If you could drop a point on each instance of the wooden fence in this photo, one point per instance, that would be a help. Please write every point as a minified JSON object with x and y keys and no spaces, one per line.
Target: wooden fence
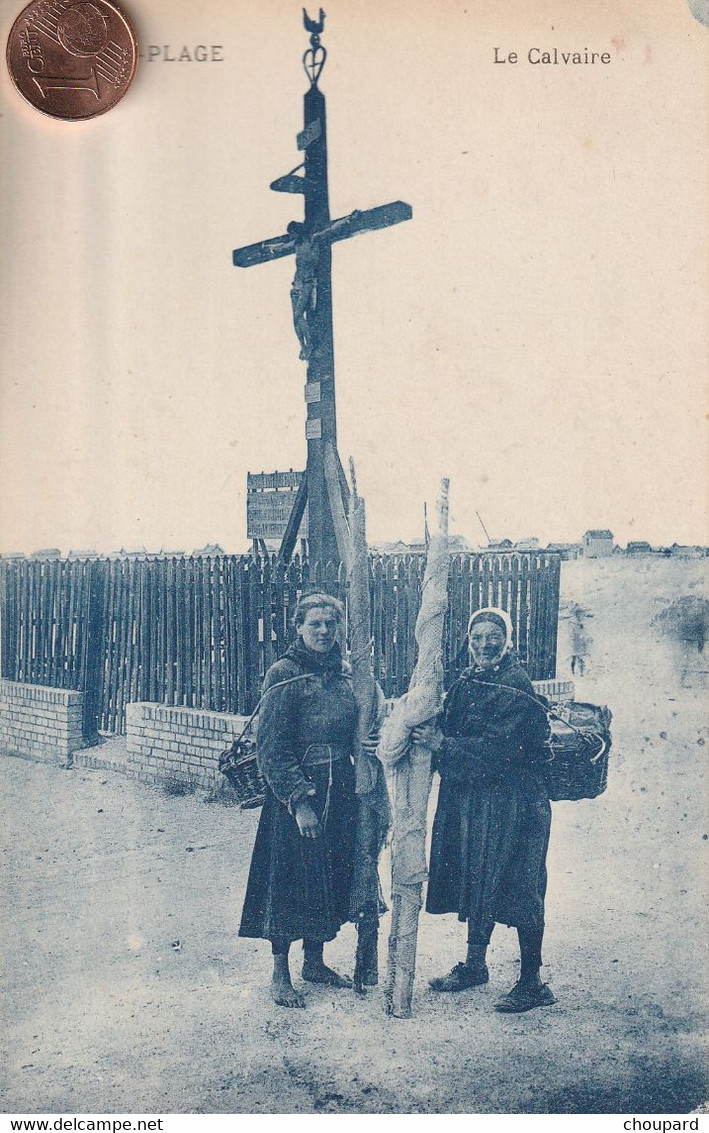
{"x":202,"y":631}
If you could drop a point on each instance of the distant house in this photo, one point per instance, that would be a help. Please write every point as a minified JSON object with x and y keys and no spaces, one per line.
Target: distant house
{"x":530,"y":544}
{"x":135,"y":553}
{"x":693,"y":551}
{"x":457,"y":544}
{"x":500,"y":545}
{"x":565,"y":550}
{"x":597,"y":544}
{"x":210,"y":551}
{"x":399,"y":548}
{"x":638,"y":547}
{"x":73,"y":556}
{"x":46,"y":555}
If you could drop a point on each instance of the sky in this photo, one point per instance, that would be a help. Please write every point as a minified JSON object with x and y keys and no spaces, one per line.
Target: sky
{"x":537,"y":332}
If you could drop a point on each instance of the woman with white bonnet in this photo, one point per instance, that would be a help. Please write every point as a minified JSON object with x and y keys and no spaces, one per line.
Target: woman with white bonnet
{"x":492,"y":824}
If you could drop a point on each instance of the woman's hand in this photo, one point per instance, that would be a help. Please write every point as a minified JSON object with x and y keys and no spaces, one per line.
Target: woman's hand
{"x":308,"y":823}
{"x":427,"y":735}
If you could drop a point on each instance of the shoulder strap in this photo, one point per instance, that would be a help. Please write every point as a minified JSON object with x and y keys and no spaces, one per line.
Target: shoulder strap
{"x":550,"y":713}
{"x":279,"y":684}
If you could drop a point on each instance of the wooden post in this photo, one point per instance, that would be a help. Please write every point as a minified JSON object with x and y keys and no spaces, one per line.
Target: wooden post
{"x":94,"y":652}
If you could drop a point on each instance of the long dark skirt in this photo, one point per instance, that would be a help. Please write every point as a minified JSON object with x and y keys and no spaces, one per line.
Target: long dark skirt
{"x":488,"y":852}
{"x":299,"y":888}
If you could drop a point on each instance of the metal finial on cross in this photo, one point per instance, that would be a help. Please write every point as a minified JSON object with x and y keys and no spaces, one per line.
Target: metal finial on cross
{"x":310,"y":242}
{"x":314,"y":58}
{"x":315,"y":26}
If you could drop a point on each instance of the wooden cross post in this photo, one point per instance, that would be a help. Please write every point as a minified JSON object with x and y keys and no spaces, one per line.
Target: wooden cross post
{"x":311,"y":297}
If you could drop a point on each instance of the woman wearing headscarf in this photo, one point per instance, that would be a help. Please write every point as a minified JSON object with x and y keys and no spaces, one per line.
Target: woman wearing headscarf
{"x":302,"y":864}
{"x":492,"y":823}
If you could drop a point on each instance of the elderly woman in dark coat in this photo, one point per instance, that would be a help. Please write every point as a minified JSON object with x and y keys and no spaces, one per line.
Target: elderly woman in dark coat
{"x":492,"y":824}
{"x":301,"y":869}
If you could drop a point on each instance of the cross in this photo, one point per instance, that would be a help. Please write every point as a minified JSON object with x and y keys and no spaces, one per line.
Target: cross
{"x":310,"y":242}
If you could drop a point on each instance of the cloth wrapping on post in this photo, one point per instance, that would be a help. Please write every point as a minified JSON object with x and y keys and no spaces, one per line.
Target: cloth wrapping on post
{"x":410,"y":769}
{"x":425,"y":693}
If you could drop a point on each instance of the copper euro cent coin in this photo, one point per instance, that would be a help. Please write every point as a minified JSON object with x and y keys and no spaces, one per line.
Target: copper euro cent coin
{"x":72,"y":59}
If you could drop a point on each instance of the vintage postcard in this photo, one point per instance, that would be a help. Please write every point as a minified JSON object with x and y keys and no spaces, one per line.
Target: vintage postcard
{"x":453,"y":241}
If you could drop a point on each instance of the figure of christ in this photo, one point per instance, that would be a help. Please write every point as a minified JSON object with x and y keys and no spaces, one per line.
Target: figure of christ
{"x":304,"y":289}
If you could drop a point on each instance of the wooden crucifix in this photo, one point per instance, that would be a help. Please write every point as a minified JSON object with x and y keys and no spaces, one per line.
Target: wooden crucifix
{"x":310,"y":242}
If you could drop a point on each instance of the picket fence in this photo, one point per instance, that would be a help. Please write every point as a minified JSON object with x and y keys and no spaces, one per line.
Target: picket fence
{"x":201,"y":631}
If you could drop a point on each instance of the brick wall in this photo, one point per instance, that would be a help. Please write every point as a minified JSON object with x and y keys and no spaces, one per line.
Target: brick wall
{"x":40,"y":723}
{"x":178,"y":745}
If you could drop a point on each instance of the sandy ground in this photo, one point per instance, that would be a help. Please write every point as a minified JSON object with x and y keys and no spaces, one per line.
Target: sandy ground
{"x":126,"y":988}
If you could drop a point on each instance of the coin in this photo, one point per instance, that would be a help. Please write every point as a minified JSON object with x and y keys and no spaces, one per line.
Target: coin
{"x":72,"y":59}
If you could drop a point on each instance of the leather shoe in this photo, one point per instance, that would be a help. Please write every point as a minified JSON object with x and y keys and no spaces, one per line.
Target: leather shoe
{"x":525,"y":997}
{"x":460,"y":978}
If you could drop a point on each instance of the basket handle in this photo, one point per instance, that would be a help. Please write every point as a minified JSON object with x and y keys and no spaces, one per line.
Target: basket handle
{"x":602,"y":750}
{"x":550,"y":713}
{"x":586,"y":738}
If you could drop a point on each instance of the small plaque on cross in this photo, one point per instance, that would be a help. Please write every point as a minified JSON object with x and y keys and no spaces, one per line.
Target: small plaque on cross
{"x":312,"y":392}
{"x":310,"y":134}
{"x":313,"y":429}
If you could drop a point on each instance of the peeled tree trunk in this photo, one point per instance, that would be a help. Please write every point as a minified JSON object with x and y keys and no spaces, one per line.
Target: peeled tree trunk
{"x":373,"y":802}
{"x":409,"y":765}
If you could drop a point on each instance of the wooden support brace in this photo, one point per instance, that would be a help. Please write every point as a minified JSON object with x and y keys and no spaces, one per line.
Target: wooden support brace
{"x":294,"y":520}
{"x":334,"y":492}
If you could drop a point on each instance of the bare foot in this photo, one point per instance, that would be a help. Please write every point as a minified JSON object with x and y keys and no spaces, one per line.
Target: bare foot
{"x":284,"y":994}
{"x":321,"y":974}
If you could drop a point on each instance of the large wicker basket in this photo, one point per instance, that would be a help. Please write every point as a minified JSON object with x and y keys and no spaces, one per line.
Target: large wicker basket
{"x":238,"y":764}
{"x":579,"y":747}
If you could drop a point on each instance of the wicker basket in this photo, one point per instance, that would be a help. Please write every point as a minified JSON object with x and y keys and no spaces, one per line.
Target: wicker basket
{"x":579,"y":747}
{"x":238,"y":764}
